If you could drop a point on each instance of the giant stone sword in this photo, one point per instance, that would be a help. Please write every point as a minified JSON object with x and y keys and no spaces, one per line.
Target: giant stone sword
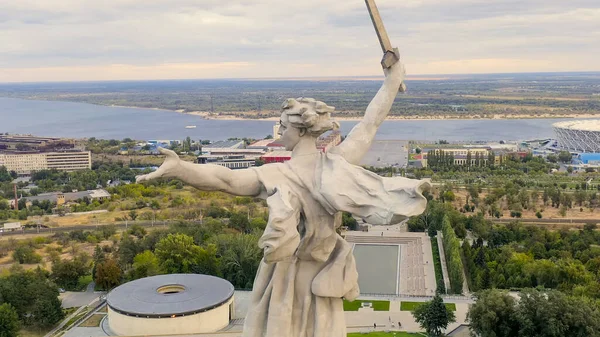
{"x":391,"y":55}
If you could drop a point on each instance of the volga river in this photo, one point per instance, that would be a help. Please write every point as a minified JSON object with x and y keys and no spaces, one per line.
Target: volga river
{"x":78,"y":120}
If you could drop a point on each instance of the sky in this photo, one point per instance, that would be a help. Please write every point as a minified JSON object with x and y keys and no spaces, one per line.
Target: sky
{"x":89,"y":40}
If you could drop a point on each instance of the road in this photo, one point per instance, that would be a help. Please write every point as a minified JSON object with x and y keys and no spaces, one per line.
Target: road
{"x":547,"y":221}
{"x":73,"y":299}
{"x":85,"y":227}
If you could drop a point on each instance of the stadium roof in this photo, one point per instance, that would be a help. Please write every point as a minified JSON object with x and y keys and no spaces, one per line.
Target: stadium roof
{"x":583,"y":125}
{"x":186,"y":294}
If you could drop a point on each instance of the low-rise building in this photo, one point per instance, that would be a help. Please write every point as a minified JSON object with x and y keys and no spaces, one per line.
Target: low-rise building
{"x":472,"y":156}
{"x":267,"y":145}
{"x":231,"y":162}
{"x":276,"y":157}
{"x":62,"y":198}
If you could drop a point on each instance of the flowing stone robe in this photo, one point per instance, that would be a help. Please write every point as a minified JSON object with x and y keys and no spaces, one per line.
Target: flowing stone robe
{"x":307,"y":267}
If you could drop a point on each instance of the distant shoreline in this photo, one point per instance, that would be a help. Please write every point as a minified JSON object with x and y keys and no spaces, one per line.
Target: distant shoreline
{"x":209,"y":116}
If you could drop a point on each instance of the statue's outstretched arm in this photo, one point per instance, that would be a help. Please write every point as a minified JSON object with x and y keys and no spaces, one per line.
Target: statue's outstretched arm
{"x":206,"y":177}
{"x":359,"y":140}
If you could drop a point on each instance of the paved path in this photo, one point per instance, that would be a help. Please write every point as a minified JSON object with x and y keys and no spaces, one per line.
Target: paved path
{"x":73,"y":299}
{"x":67,"y":319}
{"x":443,"y":260}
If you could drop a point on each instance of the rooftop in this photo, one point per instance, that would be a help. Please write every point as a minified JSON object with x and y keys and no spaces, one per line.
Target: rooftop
{"x":278,"y":154}
{"x":582,"y":125}
{"x":71,"y":196}
{"x":167,"y":295}
{"x":227,"y":144}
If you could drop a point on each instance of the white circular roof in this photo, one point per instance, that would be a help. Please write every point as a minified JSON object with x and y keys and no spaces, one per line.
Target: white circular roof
{"x":583,"y":125}
{"x":168,"y":295}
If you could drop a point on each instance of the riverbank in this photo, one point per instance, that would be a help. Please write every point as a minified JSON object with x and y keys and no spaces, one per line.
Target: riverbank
{"x":82,"y":120}
{"x":251,"y":115}
{"x":209,"y":116}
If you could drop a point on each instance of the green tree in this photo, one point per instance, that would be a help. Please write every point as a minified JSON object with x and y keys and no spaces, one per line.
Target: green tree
{"x":493,"y":314}
{"x":67,"y":273}
{"x":240,"y":257}
{"x":349,"y":221}
{"x":207,"y":261}
{"x":33,"y":297}
{"x":258,"y":224}
{"x":133,"y":214}
{"x":26,"y":255}
{"x":552,"y":158}
{"x":565,"y":157}
{"x":145,"y":264}
{"x":433,"y":316}
{"x":177,"y":253}
{"x":552,"y":313}
{"x":108,"y":274}
{"x":128,"y":249}
{"x":453,"y":259}
{"x":9,"y":321}
{"x":4,"y":175}
{"x":239,"y":221}
{"x":137,"y":231}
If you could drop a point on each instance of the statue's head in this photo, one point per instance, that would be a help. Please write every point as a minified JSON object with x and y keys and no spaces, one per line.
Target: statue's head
{"x":304,"y":117}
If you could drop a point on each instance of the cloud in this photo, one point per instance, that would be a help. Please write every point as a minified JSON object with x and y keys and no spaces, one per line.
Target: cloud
{"x":84,"y":39}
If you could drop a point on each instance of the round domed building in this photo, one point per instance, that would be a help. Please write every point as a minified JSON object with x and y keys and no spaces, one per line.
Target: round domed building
{"x":170,"y":305}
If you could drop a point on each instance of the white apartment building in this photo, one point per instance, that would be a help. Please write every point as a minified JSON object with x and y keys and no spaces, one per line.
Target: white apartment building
{"x":25,"y":163}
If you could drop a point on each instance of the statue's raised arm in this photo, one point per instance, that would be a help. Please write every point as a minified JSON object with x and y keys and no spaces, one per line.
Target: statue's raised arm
{"x":359,"y":140}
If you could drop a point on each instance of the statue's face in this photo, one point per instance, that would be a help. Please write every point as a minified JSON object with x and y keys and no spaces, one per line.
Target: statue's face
{"x":290,"y":135}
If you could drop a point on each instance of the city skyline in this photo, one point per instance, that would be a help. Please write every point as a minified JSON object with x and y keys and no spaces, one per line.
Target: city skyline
{"x":71,"y":40}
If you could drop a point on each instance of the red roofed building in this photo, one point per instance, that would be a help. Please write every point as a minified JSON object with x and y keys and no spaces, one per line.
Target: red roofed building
{"x":277,"y":157}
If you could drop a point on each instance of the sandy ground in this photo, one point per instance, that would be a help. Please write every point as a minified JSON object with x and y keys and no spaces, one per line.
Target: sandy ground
{"x":226,"y":116}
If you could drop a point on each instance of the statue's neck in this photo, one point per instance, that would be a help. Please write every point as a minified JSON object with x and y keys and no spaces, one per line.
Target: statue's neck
{"x":306,"y":146}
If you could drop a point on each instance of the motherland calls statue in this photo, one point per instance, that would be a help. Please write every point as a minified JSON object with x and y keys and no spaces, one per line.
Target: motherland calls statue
{"x":307,"y":268}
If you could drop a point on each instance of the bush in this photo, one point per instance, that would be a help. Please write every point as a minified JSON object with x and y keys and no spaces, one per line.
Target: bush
{"x":538,"y":214}
{"x":26,"y":255}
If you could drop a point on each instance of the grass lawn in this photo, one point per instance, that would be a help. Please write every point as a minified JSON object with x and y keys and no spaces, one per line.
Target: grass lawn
{"x":92,"y":321}
{"x":384,"y":334}
{"x":377,"y":305}
{"x":32,"y":332}
{"x":411,"y":306}
{"x":437,"y":263}
{"x":83,"y":282}
{"x":103,"y":309}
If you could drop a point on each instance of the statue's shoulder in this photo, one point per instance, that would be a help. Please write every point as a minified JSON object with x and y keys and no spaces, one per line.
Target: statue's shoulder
{"x":271,"y":174}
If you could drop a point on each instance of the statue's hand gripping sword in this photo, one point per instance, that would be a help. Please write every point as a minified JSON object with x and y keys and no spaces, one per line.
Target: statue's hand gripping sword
{"x":391,"y":55}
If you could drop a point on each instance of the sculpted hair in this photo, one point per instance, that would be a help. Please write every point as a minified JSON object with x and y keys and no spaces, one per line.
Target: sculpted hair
{"x":309,"y":114}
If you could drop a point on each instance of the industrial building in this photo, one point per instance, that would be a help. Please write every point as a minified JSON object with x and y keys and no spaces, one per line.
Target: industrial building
{"x":175,"y":304}
{"x":62,"y":198}
{"x":25,"y":154}
{"x":29,"y":143}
